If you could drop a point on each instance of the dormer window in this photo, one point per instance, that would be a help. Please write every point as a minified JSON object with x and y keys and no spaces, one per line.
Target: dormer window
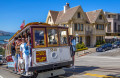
{"x":108,"y":16}
{"x":100,"y":17}
{"x":78,"y":15}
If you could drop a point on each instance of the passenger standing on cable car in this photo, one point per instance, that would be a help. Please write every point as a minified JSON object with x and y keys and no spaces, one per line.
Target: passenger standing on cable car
{"x":29,"y":49}
{"x":24,"y":51}
{"x":18,"y":43}
{"x":13,"y":56}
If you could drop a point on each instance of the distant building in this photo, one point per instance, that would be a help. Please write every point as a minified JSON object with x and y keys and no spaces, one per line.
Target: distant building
{"x":113,"y":27}
{"x":87,"y":27}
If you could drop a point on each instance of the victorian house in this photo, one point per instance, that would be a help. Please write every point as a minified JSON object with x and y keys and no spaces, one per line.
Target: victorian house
{"x":87,"y":27}
{"x":113,"y":27}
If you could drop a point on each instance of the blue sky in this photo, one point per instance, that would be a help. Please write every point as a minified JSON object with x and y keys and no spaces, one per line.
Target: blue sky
{"x":13,"y":12}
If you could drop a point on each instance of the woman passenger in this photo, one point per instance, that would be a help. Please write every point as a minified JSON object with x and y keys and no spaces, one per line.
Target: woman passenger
{"x":13,"y":56}
{"x":18,"y":43}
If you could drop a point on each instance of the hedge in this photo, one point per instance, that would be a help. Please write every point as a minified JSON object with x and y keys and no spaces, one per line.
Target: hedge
{"x":86,"y":48}
{"x":98,"y":45}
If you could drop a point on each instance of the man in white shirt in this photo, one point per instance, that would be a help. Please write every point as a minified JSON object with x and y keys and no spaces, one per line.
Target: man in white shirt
{"x":24,"y":56}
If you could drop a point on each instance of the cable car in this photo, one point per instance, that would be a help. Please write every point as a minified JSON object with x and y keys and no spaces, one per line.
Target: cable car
{"x":50,"y":48}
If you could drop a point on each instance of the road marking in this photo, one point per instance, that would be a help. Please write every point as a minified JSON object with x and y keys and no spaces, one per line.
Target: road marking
{"x":1,"y":76}
{"x":97,"y":75}
{"x":104,"y":57}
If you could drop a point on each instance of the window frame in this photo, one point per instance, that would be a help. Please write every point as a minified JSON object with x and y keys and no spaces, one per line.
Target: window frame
{"x":78,"y":15}
{"x":55,"y":45}
{"x":75,"y":26}
{"x":67,"y":37}
{"x":100,"y":17}
{"x":78,"y":26}
{"x":100,"y":26}
{"x":81,"y":39}
{"x":81,"y":27}
{"x":34,"y":38}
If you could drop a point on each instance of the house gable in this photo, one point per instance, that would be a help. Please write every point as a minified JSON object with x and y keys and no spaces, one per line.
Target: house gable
{"x":82,"y":17}
{"x":52,"y":16}
{"x":101,"y":18}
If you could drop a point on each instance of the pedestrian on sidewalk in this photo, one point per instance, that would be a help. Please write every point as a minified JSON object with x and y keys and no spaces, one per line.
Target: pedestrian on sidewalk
{"x":73,"y":45}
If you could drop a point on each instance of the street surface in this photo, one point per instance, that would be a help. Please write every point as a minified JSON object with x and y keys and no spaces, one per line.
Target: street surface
{"x":95,"y":65}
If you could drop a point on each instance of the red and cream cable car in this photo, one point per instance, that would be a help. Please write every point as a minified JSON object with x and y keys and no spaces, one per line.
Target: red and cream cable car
{"x":49,"y":45}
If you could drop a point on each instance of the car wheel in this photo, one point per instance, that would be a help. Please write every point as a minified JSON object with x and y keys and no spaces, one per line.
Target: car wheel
{"x":118,"y":46}
{"x":103,"y":50}
{"x":97,"y":50}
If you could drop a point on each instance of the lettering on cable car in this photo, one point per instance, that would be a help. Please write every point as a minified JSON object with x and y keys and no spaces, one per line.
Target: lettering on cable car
{"x":41,"y":56}
{"x":53,"y":49}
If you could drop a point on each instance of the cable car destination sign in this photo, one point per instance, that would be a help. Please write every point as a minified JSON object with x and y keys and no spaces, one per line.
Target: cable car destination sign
{"x":40,"y":56}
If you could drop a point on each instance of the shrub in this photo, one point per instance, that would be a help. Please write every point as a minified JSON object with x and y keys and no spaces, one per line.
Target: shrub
{"x":98,"y":45}
{"x":100,"y":42}
{"x":81,"y":47}
{"x":78,"y":46}
{"x":2,"y":51}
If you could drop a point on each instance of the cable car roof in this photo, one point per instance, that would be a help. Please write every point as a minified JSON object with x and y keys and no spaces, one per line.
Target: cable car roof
{"x":31,"y":24}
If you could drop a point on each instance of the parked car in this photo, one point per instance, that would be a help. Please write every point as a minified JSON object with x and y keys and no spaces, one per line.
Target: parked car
{"x":116,"y":44}
{"x":104,"y":47}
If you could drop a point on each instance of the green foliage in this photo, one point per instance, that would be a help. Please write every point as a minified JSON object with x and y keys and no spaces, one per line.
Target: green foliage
{"x":82,"y":49}
{"x":2,"y":51}
{"x":100,"y":42}
{"x":80,"y":46}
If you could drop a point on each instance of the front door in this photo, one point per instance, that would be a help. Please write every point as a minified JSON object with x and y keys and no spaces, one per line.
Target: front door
{"x":88,"y":41}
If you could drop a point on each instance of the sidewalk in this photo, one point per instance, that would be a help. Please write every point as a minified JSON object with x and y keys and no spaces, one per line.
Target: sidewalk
{"x":85,"y":52}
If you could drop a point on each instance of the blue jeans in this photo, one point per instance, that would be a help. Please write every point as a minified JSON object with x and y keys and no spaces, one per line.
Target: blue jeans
{"x":74,"y":47}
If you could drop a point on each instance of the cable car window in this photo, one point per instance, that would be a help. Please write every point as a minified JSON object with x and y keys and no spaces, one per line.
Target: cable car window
{"x":63,"y":37}
{"x":39,"y":38}
{"x":52,"y":36}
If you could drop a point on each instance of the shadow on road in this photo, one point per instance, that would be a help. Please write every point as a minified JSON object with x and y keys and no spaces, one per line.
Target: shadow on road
{"x":74,"y":71}
{"x":112,"y":76}
{"x":78,"y":70}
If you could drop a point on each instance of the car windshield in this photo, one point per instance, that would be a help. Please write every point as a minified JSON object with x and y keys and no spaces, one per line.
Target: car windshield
{"x":102,"y":45}
{"x":116,"y":42}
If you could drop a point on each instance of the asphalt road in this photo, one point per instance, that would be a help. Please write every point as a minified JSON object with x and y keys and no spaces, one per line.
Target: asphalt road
{"x":95,"y":65}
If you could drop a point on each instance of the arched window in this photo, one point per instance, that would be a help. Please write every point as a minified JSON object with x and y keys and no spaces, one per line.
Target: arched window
{"x":78,"y":15}
{"x":50,"y":19}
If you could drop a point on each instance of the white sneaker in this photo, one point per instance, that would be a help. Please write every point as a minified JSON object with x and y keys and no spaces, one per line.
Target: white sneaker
{"x":27,"y":73}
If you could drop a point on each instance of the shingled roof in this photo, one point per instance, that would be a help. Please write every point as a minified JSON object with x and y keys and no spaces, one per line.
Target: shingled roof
{"x":92,"y":15}
{"x":64,"y":17}
{"x":54,"y":15}
{"x":60,"y":16}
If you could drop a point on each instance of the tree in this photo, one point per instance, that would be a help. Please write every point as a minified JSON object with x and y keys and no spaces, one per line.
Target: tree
{"x":2,"y":51}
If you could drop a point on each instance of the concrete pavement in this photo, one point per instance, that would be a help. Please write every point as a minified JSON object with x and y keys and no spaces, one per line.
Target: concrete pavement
{"x":95,"y":65}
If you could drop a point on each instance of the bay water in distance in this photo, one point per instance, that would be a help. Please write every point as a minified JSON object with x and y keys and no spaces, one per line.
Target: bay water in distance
{"x":2,"y":38}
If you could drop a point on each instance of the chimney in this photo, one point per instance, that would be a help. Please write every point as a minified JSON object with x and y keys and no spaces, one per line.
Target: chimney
{"x":66,"y":7}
